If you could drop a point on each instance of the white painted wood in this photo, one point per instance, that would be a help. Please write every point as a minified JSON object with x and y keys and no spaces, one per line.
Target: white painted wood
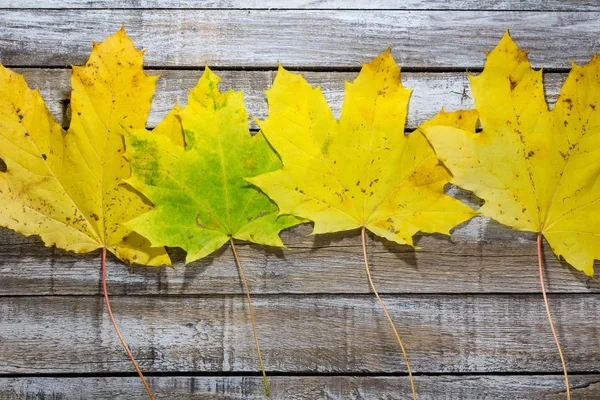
{"x":492,"y":387}
{"x":537,"y":5}
{"x":298,"y":38}
{"x":481,"y":257}
{"x":312,"y":334}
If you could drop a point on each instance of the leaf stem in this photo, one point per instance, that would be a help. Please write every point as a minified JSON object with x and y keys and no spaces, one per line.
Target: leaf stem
{"x":243,"y":278}
{"x":112,"y":319}
{"x":410,"y":376}
{"x":562,"y":358}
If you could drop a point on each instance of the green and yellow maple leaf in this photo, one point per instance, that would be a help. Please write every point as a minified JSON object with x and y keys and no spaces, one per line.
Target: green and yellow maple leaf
{"x":537,"y":169}
{"x":67,"y":185}
{"x":360,"y":171}
{"x":201,"y":201}
{"x":200,"y":198}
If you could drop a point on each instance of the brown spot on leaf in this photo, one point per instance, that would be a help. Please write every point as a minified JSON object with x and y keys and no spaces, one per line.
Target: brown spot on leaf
{"x":44,"y":157}
{"x":513,"y":83}
{"x":198,"y":223}
{"x":569,"y":103}
{"x":521,"y":138}
{"x":94,"y":216}
{"x":261,"y":214}
{"x":2,"y":165}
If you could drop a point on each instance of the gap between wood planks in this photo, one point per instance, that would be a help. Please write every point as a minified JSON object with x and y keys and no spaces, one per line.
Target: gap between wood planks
{"x":258,"y":374}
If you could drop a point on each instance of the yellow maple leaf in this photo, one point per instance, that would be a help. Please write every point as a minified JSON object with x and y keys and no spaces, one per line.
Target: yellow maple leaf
{"x":537,"y":169}
{"x":360,"y":171}
{"x":67,"y":186}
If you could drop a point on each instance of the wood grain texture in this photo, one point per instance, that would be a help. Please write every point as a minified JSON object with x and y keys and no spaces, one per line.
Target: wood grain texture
{"x":468,"y":306}
{"x":430,"y":91}
{"x":300,"y":334}
{"x":440,"y":387}
{"x":481,"y":257}
{"x":322,"y":39}
{"x":532,"y":5}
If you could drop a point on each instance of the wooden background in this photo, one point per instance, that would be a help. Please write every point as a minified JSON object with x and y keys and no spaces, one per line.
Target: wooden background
{"x":468,"y":307}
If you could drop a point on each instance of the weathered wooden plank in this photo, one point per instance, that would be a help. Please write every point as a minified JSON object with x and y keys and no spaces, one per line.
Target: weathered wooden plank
{"x":431,"y":91}
{"x":535,"y":5}
{"x":315,"y":38}
{"x":481,"y":257}
{"x":494,"y":387}
{"x":314,"y":334}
